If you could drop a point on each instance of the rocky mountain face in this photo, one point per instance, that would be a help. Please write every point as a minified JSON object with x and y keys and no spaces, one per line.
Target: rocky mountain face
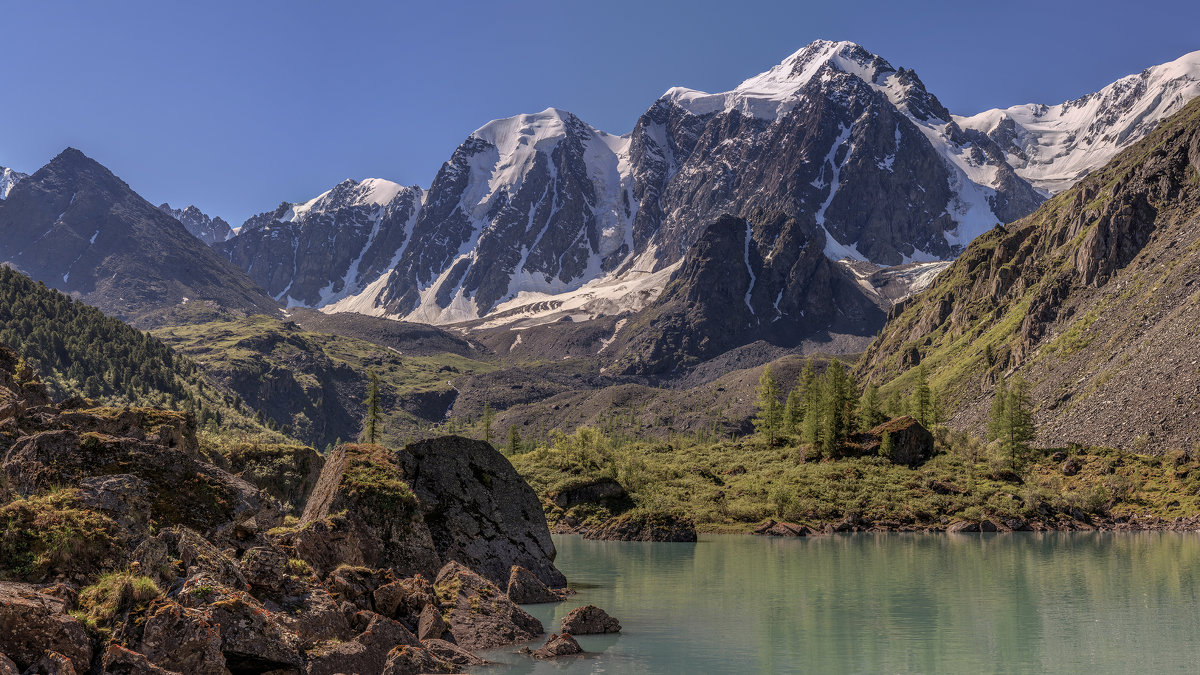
{"x":78,"y":228}
{"x":177,"y":565}
{"x":319,"y":252}
{"x":206,"y":229}
{"x":547,"y":206}
{"x":9,"y":178}
{"x":1054,"y":146}
{"x":1094,"y":299}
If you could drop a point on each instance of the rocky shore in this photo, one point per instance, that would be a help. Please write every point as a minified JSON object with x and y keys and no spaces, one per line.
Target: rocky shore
{"x":126,"y":548}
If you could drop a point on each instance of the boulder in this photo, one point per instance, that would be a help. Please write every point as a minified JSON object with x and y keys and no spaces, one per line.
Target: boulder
{"x":605,"y":491}
{"x":405,"y":599}
{"x":182,"y":639}
{"x":589,"y":620}
{"x":7,"y":667}
{"x":558,"y":645}
{"x":324,"y":544}
{"x":452,"y":653}
{"x":380,"y":508}
{"x":54,"y":663}
{"x":32,"y":623}
{"x":479,"y":615}
{"x":405,"y":660}
{"x":524,"y":588}
{"x":645,"y":526}
{"x":912,"y":444}
{"x":431,"y":625}
{"x":479,"y":510}
{"x":772,"y":528}
{"x":118,"y":660}
{"x":368,"y":652}
{"x":962,"y":526}
{"x":251,"y":636}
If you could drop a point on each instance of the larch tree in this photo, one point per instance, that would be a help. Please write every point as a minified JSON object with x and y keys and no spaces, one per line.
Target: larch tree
{"x":373,"y":424}
{"x":769,"y":420}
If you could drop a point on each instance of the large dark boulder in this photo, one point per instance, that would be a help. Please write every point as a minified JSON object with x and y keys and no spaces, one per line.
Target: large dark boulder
{"x":479,"y":511}
{"x":912,"y":444}
{"x":644,"y":526}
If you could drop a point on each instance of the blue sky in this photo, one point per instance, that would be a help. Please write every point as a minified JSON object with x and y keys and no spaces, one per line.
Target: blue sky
{"x":237,"y":106}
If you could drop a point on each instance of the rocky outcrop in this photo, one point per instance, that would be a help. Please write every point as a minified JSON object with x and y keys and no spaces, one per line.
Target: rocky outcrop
{"x":479,"y":511}
{"x":912,"y":444}
{"x":478,"y":613}
{"x":557,"y":645}
{"x":644,"y":526}
{"x":207,"y":229}
{"x":284,"y":471}
{"x":771,"y":528}
{"x":605,"y":491}
{"x":589,"y":620}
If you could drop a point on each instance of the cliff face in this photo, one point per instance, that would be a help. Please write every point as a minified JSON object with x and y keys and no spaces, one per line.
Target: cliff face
{"x":1095,"y":299}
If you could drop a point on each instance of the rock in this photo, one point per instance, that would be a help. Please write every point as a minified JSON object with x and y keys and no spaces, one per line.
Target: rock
{"x":7,"y":667}
{"x":251,"y":636}
{"x":32,"y":623}
{"x":54,"y":663}
{"x":326,"y":543}
{"x":558,"y":645}
{"x":182,"y":639}
{"x":286,"y":472}
{"x":479,"y":615}
{"x":431,"y":625}
{"x":589,"y":620}
{"x":852,"y":522}
{"x":524,"y":588}
{"x":368,"y":652}
{"x":606,"y":491}
{"x":912,"y":444}
{"x":405,"y":660}
{"x":645,"y":526}
{"x":314,"y":617}
{"x":357,"y":585}
{"x":987,"y":526}
{"x":404,"y":599}
{"x":1071,"y":467}
{"x":381,"y":509}
{"x":962,"y":526}
{"x":772,"y":528}
{"x":452,"y":653}
{"x":118,"y":660}
{"x":479,"y":510}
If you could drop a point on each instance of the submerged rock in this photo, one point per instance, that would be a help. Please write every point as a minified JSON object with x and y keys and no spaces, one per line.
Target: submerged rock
{"x":526,"y":589}
{"x":772,"y":528}
{"x":589,"y":620}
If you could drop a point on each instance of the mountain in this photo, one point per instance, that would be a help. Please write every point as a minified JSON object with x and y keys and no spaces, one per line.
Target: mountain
{"x":1054,"y":146}
{"x":8,"y":178}
{"x":206,"y":229}
{"x":1094,"y":299}
{"x":78,"y":228}
{"x":318,"y":252}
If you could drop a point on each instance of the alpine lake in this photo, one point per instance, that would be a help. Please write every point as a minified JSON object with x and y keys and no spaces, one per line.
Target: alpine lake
{"x":1070,"y":602}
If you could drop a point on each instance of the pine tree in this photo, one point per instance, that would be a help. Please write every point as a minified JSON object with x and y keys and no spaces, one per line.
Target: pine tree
{"x":833,"y":410}
{"x":486,"y":420}
{"x":869,"y":415}
{"x":995,"y":427}
{"x":373,"y":425}
{"x":895,"y":405}
{"x":1018,"y":427}
{"x":793,"y":411}
{"x":770,"y":411}
{"x":513,"y":445}
{"x":921,"y":404}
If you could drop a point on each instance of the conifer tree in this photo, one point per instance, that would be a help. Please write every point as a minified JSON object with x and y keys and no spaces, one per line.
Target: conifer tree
{"x":793,"y":411}
{"x":921,"y":404}
{"x":770,"y":411}
{"x":995,"y":427}
{"x":1017,"y":429}
{"x":885,"y":445}
{"x":373,"y":424}
{"x":869,"y":414}
{"x":833,"y":409}
{"x":486,"y":420}
{"x":513,"y":445}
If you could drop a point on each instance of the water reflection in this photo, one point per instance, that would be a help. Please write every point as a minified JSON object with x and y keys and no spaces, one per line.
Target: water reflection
{"x":874,"y":603}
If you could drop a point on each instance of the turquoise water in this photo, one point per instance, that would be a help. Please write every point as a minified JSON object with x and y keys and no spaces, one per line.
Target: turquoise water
{"x":884,"y":603}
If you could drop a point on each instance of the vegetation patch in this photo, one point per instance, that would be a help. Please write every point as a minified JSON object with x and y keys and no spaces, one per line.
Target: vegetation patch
{"x":371,"y":480}
{"x":116,"y":595}
{"x":53,"y":534}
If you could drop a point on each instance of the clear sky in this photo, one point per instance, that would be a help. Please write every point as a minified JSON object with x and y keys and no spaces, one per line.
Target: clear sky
{"x":237,"y":106}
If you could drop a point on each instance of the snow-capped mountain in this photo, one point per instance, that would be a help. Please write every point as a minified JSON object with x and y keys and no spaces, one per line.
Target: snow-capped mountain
{"x":539,"y":216}
{"x":206,"y":229}
{"x":320,"y":251}
{"x":838,"y":137}
{"x":1054,"y":146}
{"x":8,"y":178}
